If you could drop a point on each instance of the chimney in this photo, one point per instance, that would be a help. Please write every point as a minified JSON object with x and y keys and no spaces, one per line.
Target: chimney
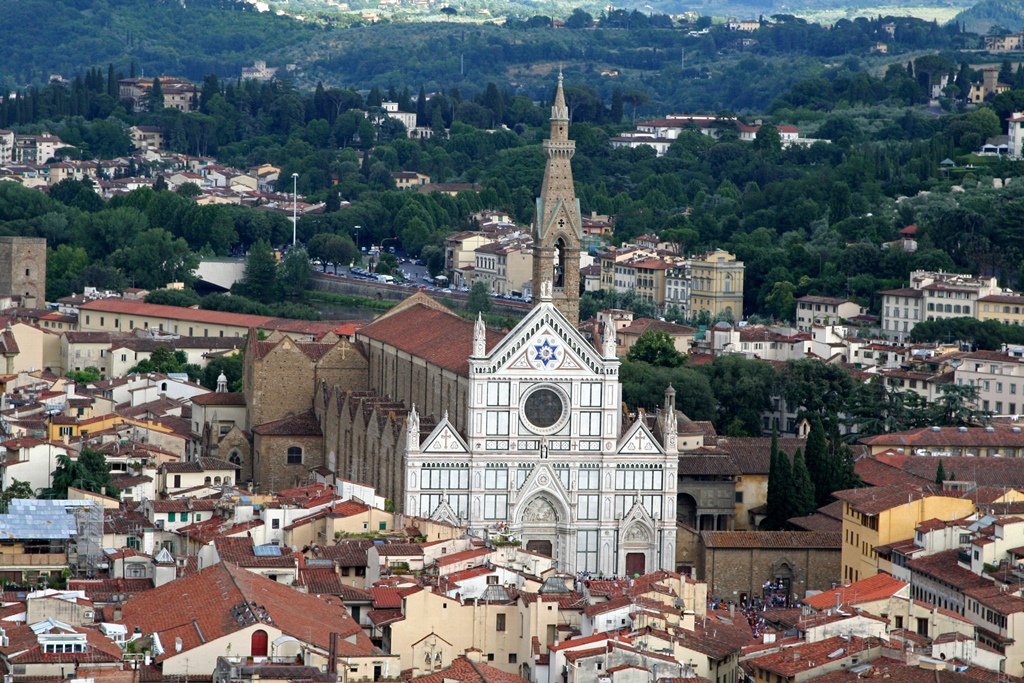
{"x":474,"y":655}
{"x":732,"y":611}
{"x":118,"y":612}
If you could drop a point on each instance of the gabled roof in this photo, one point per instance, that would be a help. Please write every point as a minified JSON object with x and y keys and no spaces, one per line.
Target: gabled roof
{"x":866,"y":590}
{"x":208,"y":605}
{"x":304,"y":424}
{"x":431,"y":332}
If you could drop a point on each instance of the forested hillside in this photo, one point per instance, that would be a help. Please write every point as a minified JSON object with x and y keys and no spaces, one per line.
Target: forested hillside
{"x":987,"y":14}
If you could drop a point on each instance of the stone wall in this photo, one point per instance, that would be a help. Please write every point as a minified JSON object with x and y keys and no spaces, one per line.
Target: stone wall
{"x":23,"y":267}
{"x":274,"y":472}
{"x":733,"y":572}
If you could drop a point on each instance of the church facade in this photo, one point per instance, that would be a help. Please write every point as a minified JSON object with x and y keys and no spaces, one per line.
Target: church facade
{"x":522,"y":437}
{"x":545,"y":460}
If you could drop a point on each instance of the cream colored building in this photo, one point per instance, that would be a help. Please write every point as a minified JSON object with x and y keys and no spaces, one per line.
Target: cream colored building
{"x":881,"y":515}
{"x":505,"y":267}
{"x":38,"y":349}
{"x":717,"y":285}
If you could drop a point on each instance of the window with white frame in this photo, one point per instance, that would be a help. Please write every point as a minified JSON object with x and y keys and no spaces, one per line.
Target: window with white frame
{"x":495,"y":506}
{"x":496,"y":479}
{"x":590,"y":423}
{"x":588,"y":479}
{"x":522,"y":474}
{"x":586,"y":551}
{"x":588,"y":506}
{"x":497,"y":423}
{"x":444,"y":478}
{"x":628,"y":479}
{"x":498,"y":393}
{"x":590,"y":395}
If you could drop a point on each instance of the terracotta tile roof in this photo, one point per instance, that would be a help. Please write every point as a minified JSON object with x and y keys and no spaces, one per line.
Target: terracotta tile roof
{"x":386,"y":598}
{"x":566,"y":601}
{"x":438,"y":336}
{"x":122,"y":522}
{"x":222,"y":398}
{"x":800,"y":658}
{"x":817,"y":522}
{"x":24,"y":648}
{"x":876,"y":499}
{"x":175,"y":313}
{"x":197,"y":466}
{"x":866,"y":590}
{"x":608,"y":606}
{"x":873,"y":472}
{"x":198,"y":609}
{"x":320,"y":580}
{"x":641,"y":325}
{"x":752,"y":455}
{"x":399,"y":549}
{"x":707,"y":462}
{"x":999,"y":472}
{"x":945,"y":568}
{"x":380,"y":617}
{"x":304,"y":424}
{"x":944,"y":437}
{"x":104,"y":590}
{"x":241,"y":551}
{"x":463,"y":556}
{"x":717,"y":638}
{"x":771,"y":539}
{"x":351,"y":553}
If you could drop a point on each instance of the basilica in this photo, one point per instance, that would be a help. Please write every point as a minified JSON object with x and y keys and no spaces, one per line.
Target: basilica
{"x":521,"y":437}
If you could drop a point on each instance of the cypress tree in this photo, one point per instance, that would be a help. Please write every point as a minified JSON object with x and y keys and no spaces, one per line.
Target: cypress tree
{"x":801,"y":498}
{"x":819,"y":463}
{"x":779,"y":475}
{"x":940,"y":473}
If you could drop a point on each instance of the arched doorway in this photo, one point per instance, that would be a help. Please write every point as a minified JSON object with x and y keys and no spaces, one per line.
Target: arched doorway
{"x":539,"y":521}
{"x":686,"y":510}
{"x":258,"y":643}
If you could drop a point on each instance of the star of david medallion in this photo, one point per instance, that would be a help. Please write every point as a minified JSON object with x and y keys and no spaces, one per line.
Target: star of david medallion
{"x":546,"y":353}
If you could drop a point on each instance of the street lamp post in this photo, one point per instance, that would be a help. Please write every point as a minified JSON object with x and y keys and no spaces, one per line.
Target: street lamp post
{"x":295,"y":206}
{"x":357,"y":229}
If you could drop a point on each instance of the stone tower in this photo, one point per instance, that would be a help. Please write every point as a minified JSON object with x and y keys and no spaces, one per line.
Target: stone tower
{"x":556,"y":227}
{"x":23,"y":267}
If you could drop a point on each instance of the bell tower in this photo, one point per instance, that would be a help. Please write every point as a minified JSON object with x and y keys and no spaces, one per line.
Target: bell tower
{"x":556,"y":227}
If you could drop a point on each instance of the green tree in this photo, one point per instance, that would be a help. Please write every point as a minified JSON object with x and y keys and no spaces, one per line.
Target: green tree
{"x":940,"y":473}
{"x":90,"y":374}
{"x":17,"y":489}
{"x":801,"y":497}
{"x":183,"y":298}
{"x":780,"y":474}
{"x":156,"y":258}
{"x":155,"y":97}
{"x":656,"y":348}
{"x":230,"y":366}
{"x":89,"y":472}
{"x":294,"y":271}
{"x":260,"y":281}
{"x":768,"y":142}
{"x":955,"y":406}
{"x":819,"y":462}
{"x":163,"y":359}
{"x":479,"y":300}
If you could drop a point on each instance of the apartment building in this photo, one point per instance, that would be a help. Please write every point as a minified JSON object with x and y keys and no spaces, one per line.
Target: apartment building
{"x":1005,"y":308}
{"x":933,"y":296}
{"x":505,"y":266}
{"x":716,"y":285}
{"x":824,"y":310}
{"x":998,"y":376}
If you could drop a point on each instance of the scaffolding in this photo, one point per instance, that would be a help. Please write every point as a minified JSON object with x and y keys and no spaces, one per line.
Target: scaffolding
{"x":74,"y":525}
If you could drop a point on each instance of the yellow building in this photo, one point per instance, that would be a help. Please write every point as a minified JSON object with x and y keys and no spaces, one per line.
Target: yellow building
{"x":1007,"y":309}
{"x":345,"y":518}
{"x":882,"y":515}
{"x":717,"y":285}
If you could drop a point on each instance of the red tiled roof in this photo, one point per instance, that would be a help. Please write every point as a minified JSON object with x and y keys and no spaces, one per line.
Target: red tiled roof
{"x":305,"y":424}
{"x":198,"y":609}
{"x":175,"y":313}
{"x":463,"y":556}
{"x":438,"y":336}
{"x":771,"y":539}
{"x":222,"y":398}
{"x":866,"y":590}
{"x":800,"y":658}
